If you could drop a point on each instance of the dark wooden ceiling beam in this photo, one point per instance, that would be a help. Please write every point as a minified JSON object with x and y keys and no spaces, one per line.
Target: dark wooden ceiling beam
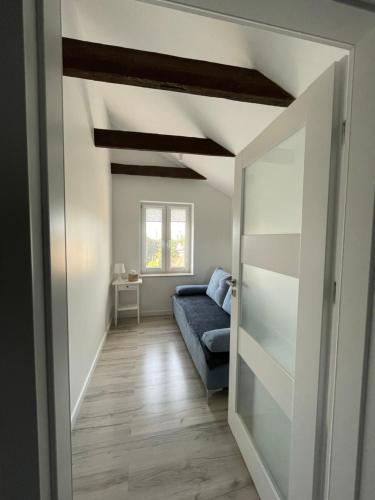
{"x":156,"y":171}
{"x":108,"y":63}
{"x":120,"y":139}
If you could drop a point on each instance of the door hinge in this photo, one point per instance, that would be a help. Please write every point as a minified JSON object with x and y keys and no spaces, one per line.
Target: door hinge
{"x":334,"y":290}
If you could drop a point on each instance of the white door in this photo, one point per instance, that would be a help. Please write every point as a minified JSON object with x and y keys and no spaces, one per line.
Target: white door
{"x":282,"y":213}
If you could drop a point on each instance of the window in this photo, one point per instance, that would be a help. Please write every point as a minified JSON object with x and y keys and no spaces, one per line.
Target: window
{"x":166,"y":238}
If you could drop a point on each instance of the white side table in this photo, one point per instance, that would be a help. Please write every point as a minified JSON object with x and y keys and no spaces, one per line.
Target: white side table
{"x":126,"y":286}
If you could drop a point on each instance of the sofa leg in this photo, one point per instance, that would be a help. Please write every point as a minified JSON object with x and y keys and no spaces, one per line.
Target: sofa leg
{"x":172,"y":311}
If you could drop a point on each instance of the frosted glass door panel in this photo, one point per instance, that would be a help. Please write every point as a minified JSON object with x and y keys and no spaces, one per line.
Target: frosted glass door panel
{"x":269,"y":303}
{"x":267,"y":424}
{"x":274,"y":189}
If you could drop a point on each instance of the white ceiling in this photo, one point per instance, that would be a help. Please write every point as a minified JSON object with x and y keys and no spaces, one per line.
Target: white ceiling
{"x":290,"y":62}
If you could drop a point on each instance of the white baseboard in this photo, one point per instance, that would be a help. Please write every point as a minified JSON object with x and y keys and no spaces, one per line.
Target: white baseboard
{"x":166,"y":312}
{"x":152,"y":312}
{"x":77,"y":406}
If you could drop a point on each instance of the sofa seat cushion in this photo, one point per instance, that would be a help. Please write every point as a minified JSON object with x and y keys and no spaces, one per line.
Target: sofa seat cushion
{"x":203,"y":314}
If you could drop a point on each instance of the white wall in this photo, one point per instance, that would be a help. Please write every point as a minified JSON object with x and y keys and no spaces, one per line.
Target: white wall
{"x":212,"y":230}
{"x":88,"y":223}
{"x":88,"y":235}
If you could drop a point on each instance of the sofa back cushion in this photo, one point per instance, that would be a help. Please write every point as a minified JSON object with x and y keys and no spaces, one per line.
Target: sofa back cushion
{"x":217,"y":287}
{"x":191,"y":289}
{"x":227,"y":304}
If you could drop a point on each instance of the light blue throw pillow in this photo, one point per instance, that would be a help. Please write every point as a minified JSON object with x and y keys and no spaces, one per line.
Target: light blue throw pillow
{"x":217,"y":287}
{"x":227,"y":304}
{"x":217,"y":340}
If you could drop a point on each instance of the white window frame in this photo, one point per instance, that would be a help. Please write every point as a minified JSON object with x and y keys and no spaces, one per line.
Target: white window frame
{"x":165,"y":269}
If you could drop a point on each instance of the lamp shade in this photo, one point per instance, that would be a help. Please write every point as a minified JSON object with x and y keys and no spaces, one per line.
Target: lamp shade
{"x":119,"y":268}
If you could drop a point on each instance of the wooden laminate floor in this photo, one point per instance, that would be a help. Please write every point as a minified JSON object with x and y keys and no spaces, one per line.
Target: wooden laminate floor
{"x":145,"y":431}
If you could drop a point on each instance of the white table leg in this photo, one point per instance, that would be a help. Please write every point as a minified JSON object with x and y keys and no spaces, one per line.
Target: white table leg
{"x":138,"y":304}
{"x":116,"y":304}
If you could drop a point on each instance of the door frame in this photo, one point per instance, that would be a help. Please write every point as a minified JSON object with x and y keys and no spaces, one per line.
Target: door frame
{"x":35,"y":357}
{"x":354,"y":249}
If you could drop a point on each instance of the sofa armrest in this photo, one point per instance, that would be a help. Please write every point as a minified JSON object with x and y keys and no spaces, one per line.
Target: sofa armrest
{"x":217,"y":340}
{"x":191,"y":289}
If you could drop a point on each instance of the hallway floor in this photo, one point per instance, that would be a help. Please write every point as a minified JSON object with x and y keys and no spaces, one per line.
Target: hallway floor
{"x":145,"y":431}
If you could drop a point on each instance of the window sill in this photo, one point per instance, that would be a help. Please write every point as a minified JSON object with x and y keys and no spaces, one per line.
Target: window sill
{"x":165,"y":275}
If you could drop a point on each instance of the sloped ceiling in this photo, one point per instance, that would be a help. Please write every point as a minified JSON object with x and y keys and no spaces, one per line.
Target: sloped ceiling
{"x":291,"y":63}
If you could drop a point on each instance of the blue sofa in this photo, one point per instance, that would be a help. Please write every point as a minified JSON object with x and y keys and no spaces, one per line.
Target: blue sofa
{"x":202,"y":313}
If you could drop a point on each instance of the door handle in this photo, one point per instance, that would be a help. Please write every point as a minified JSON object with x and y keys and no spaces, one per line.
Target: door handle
{"x":232,"y":282}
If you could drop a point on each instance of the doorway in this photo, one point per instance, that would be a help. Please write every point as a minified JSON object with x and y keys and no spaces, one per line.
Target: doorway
{"x":197,"y":117}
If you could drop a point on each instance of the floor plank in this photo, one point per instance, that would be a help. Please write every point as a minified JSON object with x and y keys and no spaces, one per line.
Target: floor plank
{"x":145,"y":431}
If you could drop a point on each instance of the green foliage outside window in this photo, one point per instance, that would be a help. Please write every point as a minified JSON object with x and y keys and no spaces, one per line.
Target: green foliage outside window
{"x":178,"y":253}
{"x":153,"y":257}
{"x":154,"y":253}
